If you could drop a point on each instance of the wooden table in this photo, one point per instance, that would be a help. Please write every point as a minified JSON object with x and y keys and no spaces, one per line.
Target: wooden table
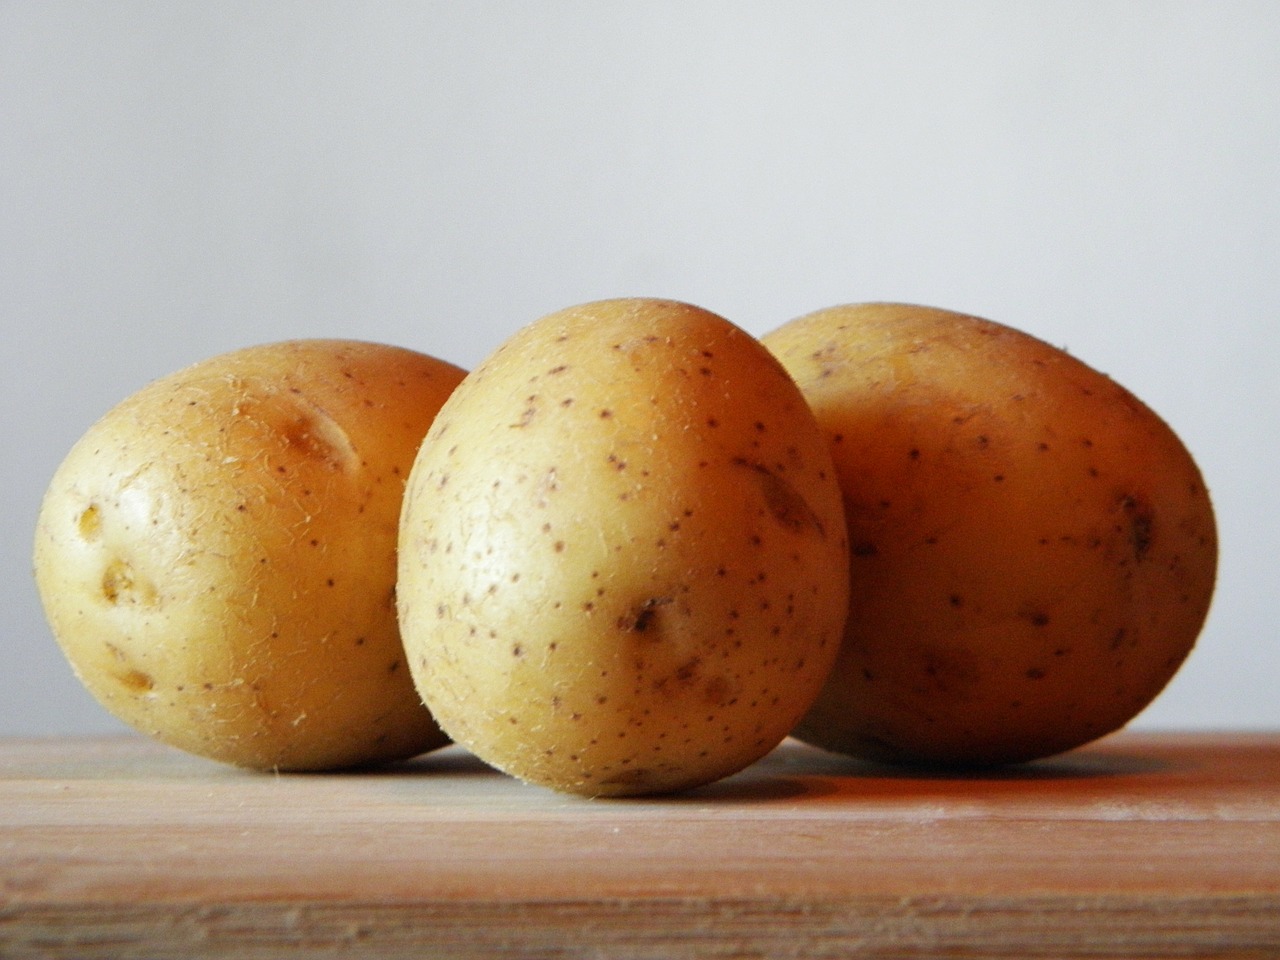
{"x":1143,"y":845}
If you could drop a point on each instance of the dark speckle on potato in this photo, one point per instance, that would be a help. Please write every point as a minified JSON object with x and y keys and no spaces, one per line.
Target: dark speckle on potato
{"x":1065,"y":523}
{"x":691,"y":481}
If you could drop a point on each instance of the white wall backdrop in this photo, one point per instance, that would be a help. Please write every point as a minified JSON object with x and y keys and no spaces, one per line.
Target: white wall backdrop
{"x":178,"y":179}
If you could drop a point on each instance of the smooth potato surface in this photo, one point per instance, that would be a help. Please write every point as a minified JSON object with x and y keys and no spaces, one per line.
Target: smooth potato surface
{"x":622,"y":565}
{"x":1033,"y":549}
{"x":216,"y":556}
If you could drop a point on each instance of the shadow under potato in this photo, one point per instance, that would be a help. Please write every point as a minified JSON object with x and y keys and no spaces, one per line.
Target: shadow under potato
{"x":794,"y":770}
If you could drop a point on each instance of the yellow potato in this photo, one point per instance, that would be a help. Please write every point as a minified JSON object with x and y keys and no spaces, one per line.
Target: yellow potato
{"x":1033,"y":550}
{"x":622,"y":558}
{"x":216,"y":556}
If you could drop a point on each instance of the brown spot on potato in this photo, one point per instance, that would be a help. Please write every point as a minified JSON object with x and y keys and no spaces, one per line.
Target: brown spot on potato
{"x":89,"y":523}
{"x":718,"y":691}
{"x":306,"y":436}
{"x":687,"y":672}
{"x":783,"y":501}
{"x":643,"y":618}
{"x":1141,"y":519}
{"x":121,"y":585}
{"x":136,"y":681}
{"x":1036,"y":617}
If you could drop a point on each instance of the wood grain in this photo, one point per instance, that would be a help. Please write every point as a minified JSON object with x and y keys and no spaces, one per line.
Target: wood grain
{"x":1143,"y":845}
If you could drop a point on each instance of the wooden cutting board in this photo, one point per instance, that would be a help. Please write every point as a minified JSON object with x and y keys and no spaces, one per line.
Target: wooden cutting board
{"x":1143,"y":845}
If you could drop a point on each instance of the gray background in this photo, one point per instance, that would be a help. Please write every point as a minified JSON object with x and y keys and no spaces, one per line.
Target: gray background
{"x":179,"y":179}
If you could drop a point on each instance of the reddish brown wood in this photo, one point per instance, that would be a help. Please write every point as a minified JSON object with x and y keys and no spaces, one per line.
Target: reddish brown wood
{"x":1143,"y":845}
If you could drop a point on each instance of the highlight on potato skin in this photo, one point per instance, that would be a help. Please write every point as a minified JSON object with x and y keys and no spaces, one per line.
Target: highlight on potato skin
{"x":1033,"y":550}
{"x":622,"y":560}
{"x":216,"y":555}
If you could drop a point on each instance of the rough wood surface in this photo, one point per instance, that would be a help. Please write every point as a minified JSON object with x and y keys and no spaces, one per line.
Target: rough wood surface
{"x":1143,"y":845}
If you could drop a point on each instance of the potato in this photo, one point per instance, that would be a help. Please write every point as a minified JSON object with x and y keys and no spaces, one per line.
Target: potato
{"x":622,"y":557}
{"x":1033,"y":550}
{"x":216,"y":556}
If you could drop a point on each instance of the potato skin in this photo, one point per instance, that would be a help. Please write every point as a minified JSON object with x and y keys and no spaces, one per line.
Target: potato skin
{"x":622,"y":561}
{"x":216,"y":555}
{"x":1033,"y":549}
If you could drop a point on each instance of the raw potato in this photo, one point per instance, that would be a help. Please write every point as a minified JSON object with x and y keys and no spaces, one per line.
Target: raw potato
{"x":622,"y":561}
{"x":216,"y":556}
{"x":1034,"y":550}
